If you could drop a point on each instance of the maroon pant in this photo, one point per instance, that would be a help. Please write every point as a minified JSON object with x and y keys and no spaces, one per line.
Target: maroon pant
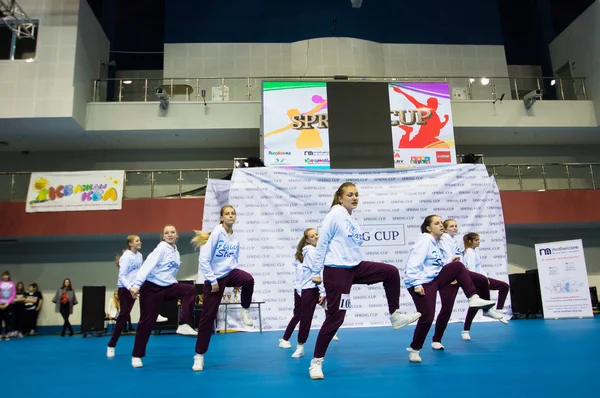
{"x":339,"y":281}
{"x":151,"y":298}
{"x":211,"y":302}
{"x":126,"y":302}
{"x":426,"y":303}
{"x":295,"y":319}
{"x":304,"y":309}
{"x":448,"y":296}
{"x":493,"y":284}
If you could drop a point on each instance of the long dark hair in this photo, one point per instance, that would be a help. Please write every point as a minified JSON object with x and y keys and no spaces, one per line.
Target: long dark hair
{"x":427,"y":222}
{"x":70,"y":287}
{"x":303,"y":242}
{"x":22,"y":289}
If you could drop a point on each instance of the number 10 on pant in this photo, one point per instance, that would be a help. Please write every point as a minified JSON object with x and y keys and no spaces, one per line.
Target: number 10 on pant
{"x":345,"y":303}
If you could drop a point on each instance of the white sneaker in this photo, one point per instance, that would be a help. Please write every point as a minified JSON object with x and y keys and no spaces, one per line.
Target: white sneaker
{"x":186,"y":330}
{"x":136,"y":362}
{"x":465,"y":335}
{"x":198,"y":363}
{"x":336,"y":338}
{"x":495,"y":315}
{"x":316,"y":369}
{"x":437,"y":346}
{"x":413,"y":355}
{"x":110,"y":352}
{"x":161,"y":318}
{"x":284,"y":344}
{"x":245,"y":316}
{"x":477,"y":302}
{"x":299,"y":351}
{"x":400,"y":320}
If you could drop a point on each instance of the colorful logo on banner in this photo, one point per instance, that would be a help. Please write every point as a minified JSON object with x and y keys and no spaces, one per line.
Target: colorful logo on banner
{"x":296,"y":125}
{"x":274,"y":206}
{"x":96,"y":190}
{"x":421,"y":120}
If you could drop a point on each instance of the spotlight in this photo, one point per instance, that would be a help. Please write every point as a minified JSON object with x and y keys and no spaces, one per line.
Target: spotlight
{"x":485,"y":81}
{"x":470,"y":158}
{"x":163,"y":97}
{"x":240,"y":163}
{"x":531,"y":97}
{"x":553,"y":82}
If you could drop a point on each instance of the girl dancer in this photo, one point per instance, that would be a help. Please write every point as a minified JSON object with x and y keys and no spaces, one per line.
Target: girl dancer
{"x":449,"y":243}
{"x":473,"y":263}
{"x":33,"y":305}
{"x":7,"y":295}
{"x":306,"y":293}
{"x":65,"y":299}
{"x":426,"y":273}
{"x":129,"y":262}
{"x":218,"y":263}
{"x":156,"y":282}
{"x":18,"y":310}
{"x":338,"y":251}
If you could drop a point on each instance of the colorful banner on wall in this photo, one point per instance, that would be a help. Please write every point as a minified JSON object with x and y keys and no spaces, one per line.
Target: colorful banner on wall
{"x":295,"y":125}
{"x":563,"y":279}
{"x":274,"y":206}
{"x":422,"y":130}
{"x":75,"y":191}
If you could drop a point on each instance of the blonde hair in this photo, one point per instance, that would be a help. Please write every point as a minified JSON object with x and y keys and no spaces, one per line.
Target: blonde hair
{"x":340,"y":192}
{"x":201,"y":236}
{"x":130,"y":239}
{"x":200,"y":239}
{"x":116,"y":301}
{"x":303,"y":242}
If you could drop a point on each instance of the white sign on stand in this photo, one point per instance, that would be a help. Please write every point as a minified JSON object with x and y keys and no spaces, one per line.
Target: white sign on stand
{"x":563,"y":280}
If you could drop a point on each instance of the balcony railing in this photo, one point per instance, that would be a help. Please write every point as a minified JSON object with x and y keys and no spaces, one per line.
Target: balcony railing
{"x":191,"y":183}
{"x":219,"y":89}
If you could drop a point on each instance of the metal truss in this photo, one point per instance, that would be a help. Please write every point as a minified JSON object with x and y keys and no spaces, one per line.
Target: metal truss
{"x":15,"y":18}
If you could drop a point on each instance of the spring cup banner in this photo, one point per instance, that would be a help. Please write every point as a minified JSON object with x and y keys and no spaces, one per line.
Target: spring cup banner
{"x":563,"y":280}
{"x":75,"y":191}
{"x":422,"y":131}
{"x":295,"y":125}
{"x":274,"y":206}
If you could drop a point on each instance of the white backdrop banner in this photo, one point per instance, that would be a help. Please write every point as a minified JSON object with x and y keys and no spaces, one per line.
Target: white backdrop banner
{"x":275,"y":206}
{"x":563,"y":279}
{"x":75,"y":191}
{"x":217,"y":196}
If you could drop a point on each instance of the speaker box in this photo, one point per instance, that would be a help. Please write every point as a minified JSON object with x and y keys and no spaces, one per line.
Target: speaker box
{"x":92,"y":310}
{"x":524,"y":297}
{"x":594,"y":297}
{"x":535,"y":274}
